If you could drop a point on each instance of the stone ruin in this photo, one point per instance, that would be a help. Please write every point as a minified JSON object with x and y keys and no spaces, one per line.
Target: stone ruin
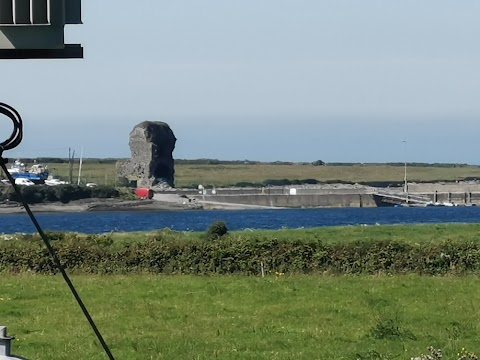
{"x":151,"y":144}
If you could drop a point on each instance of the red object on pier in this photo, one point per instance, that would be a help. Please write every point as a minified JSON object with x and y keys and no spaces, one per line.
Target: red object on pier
{"x":144,"y":193}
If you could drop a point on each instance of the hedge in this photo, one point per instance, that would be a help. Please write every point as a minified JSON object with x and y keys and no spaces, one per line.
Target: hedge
{"x":63,"y":193}
{"x":169,"y":254}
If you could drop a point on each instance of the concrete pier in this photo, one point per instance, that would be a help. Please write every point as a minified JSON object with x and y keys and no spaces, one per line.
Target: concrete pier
{"x":336,"y":195}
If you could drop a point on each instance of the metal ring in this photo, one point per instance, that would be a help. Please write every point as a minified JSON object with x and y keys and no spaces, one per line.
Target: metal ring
{"x":17,"y":134}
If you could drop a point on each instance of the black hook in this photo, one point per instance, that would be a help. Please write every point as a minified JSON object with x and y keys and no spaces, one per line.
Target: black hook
{"x":15,"y":139}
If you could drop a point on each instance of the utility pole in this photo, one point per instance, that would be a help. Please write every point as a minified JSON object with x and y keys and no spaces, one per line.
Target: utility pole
{"x":80,"y":166}
{"x":71,"y":157}
{"x":405,"y":189}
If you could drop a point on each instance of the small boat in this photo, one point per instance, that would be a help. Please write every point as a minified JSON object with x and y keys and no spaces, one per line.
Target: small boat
{"x":444,"y":203}
{"x":37,"y":173}
{"x":54,"y":182}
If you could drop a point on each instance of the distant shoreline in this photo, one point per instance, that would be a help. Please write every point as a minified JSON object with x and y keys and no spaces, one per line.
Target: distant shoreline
{"x":307,"y":196}
{"x":92,"y":205}
{"x":101,"y":205}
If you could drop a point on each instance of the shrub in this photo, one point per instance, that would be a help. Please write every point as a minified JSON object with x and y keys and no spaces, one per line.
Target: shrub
{"x":217,"y":230}
{"x":104,"y":192}
{"x":172,"y":252}
{"x":247,"y":184}
{"x":286,"y":182}
{"x":277,"y":182}
{"x":123,"y":182}
{"x":63,"y":193}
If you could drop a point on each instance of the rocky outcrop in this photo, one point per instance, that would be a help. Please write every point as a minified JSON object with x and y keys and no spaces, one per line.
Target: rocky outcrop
{"x":151,"y":144}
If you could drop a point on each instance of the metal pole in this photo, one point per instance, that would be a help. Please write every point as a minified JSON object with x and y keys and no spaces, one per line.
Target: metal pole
{"x":405,"y":176}
{"x":80,"y":167}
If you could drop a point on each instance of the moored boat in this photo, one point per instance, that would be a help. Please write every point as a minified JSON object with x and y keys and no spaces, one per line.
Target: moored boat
{"x":37,"y":173}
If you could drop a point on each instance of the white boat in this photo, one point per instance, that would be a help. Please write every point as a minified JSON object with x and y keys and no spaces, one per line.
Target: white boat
{"x":24,"y":182}
{"x":54,"y":182}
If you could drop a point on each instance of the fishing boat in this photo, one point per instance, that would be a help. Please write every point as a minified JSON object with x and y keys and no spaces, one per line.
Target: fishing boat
{"x":37,"y":173}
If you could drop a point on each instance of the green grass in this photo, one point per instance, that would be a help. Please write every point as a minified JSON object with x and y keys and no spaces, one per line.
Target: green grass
{"x":102,"y":174}
{"x":180,"y":317}
{"x":411,"y":234}
{"x":223,"y":175}
{"x":238,"y":317}
{"x":230,"y":174}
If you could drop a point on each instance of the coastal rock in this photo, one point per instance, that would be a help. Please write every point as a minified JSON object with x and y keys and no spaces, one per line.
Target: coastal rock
{"x":151,"y":165}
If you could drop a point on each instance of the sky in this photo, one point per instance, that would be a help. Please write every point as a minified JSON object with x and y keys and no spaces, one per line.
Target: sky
{"x":268,"y":80}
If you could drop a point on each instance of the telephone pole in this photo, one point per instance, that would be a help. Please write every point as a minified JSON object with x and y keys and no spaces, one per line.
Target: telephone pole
{"x":71,"y":157}
{"x":405,"y":189}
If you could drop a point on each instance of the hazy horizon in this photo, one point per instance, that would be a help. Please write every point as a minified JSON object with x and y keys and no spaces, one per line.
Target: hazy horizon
{"x":275,"y":80}
{"x":393,"y":163}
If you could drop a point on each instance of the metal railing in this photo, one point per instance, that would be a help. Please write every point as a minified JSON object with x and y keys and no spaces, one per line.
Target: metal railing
{"x":25,"y":12}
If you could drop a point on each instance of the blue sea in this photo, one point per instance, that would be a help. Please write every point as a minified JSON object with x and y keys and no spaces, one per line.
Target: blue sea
{"x":101,"y":222}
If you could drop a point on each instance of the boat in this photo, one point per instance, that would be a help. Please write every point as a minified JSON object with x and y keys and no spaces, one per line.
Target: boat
{"x":54,"y":182}
{"x":37,"y":173}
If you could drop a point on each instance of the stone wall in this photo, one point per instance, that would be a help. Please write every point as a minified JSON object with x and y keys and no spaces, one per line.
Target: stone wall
{"x":295,"y":201}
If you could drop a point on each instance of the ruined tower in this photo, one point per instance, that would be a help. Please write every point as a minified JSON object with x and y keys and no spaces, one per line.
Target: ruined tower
{"x":151,"y":145}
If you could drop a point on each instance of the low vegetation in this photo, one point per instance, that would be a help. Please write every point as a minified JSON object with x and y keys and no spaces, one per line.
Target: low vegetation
{"x":62,"y":193}
{"x":388,"y":250}
{"x":210,"y":172}
{"x":273,"y":174}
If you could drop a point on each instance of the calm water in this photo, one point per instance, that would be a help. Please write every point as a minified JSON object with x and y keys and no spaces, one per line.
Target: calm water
{"x":99,"y":222}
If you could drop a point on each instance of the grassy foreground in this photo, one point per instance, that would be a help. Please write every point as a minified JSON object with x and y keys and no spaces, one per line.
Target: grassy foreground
{"x":276,"y":317}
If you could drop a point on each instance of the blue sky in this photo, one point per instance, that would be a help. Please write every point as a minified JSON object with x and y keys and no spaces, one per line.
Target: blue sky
{"x":302,"y":80}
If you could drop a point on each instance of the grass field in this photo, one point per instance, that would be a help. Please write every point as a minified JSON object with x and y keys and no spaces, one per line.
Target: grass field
{"x":223,"y":175}
{"x":179,"y":317}
{"x":410,"y":234}
{"x":237,"y":317}
{"x":230,"y":174}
